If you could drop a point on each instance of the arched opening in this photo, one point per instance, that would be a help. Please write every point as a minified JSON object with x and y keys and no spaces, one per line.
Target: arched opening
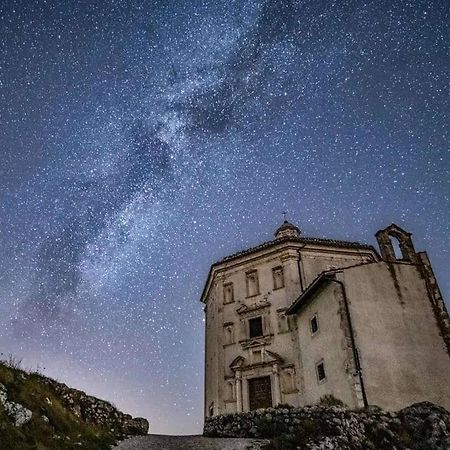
{"x":396,"y":244}
{"x":396,"y":247}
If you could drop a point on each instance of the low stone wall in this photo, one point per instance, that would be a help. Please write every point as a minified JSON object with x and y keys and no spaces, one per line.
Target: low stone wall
{"x":419,"y":426}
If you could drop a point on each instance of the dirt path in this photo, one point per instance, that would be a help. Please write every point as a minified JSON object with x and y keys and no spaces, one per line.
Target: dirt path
{"x":163,"y":442}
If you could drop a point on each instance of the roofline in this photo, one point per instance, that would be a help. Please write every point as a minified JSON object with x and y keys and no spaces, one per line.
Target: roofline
{"x":321,"y":280}
{"x":392,"y":226}
{"x":301,"y":240}
{"x":325,"y":276}
{"x":206,"y":287}
{"x":283,"y":240}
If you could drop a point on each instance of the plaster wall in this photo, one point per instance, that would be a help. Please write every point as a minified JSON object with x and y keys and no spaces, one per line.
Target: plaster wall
{"x":317,"y":260}
{"x":329,"y":344}
{"x":403,"y":357}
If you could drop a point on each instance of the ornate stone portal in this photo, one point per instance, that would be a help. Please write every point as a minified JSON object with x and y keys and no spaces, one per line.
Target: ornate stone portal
{"x":251,"y":378}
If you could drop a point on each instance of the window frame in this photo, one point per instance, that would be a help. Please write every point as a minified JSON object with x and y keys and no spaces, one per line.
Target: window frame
{"x":228,"y":331}
{"x":248,"y":274}
{"x":314,"y":318}
{"x":250,"y":319}
{"x":274,"y":271}
{"x":225,"y":287}
{"x":318,"y":364}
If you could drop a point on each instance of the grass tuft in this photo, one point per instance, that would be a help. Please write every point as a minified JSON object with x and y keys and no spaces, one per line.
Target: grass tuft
{"x":63,"y":430}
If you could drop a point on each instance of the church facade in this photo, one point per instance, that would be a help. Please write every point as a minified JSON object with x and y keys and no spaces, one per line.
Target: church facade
{"x":298,"y":318}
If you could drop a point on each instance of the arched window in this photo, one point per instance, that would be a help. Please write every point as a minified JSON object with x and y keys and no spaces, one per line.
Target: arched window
{"x":396,"y":244}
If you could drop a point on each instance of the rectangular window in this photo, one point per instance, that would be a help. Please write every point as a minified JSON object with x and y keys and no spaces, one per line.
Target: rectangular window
{"x":211,"y":410}
{"x":320,"y":368}
{"x":255,"y":327}
{"x":278,"y":277}
{"x":252,"y":283}
{"x":314,"y":325}
{"x":228,"y":293}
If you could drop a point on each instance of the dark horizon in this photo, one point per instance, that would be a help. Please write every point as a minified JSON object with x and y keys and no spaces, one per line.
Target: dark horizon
{"x":142,"y":141}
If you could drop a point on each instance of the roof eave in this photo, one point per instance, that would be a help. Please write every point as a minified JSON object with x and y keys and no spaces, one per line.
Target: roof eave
{"x":226,"y":260}
{"x":285,"y":240}
{"x":308,"y":293}
{"x":300,"y":240}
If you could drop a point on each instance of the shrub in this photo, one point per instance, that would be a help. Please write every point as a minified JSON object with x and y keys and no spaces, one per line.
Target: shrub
{"x":331,"y":400}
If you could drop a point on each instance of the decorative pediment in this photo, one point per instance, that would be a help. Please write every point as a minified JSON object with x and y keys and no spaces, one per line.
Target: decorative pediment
{"x":244,"y":309}
{"x":269,"y":359}
{"x":274,"y":357}
{"x":237,"y":363}
{"x":256,"y":341}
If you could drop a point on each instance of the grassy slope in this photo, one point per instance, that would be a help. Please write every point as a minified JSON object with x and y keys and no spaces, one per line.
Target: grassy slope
{"x":37,"y":434}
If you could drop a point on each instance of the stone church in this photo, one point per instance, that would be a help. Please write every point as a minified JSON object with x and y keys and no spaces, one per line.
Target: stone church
{"x":297,"y":318}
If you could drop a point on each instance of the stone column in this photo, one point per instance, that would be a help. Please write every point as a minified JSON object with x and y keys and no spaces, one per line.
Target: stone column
{"x":276,"y":385}
{"x":238,"y":391}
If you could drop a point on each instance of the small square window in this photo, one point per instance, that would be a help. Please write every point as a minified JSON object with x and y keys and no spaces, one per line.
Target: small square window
{"x":278,"y":277}
{"x":314,"y":323}
{"x":228,"y":293}
{"x":255,"y":327}
{"x":321,"y":375}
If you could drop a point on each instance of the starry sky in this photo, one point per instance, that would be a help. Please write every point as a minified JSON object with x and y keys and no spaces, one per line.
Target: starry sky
{"x":140,"y":141}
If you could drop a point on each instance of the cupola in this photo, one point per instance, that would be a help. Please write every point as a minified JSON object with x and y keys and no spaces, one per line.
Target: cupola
{"x":287,"y":229}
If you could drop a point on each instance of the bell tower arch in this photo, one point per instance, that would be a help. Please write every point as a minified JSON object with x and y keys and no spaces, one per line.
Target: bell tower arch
{"x":386,"y":239}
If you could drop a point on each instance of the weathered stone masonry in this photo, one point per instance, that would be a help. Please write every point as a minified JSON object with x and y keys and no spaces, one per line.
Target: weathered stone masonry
{"x":297,"y":318}
{"x":419,"y":426}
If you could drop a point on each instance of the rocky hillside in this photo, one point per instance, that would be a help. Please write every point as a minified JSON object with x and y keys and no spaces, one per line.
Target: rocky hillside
{"x":422,"y":426}
{"x":37,"y":412}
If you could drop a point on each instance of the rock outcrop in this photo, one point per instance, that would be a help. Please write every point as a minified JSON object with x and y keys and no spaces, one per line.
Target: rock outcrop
{"x":418,"y":427}
{"x":97,"y":412}
{"x":17,"y":413}
{"x":38,"y":412}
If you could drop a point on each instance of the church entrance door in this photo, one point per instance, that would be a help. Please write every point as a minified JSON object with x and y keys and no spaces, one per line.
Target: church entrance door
{"x":260,"y":393}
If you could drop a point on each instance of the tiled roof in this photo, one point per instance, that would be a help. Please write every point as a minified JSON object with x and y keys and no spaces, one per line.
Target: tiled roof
{"x":301,"y":240}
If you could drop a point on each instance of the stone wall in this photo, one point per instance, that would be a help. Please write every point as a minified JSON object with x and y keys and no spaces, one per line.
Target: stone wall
{"x":419,"y":426}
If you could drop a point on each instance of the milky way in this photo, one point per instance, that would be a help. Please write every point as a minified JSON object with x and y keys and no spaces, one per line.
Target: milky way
{"x":142,"y":141}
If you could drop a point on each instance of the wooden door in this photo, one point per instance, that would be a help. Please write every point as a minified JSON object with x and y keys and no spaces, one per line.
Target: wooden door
{"x":260,"y":393}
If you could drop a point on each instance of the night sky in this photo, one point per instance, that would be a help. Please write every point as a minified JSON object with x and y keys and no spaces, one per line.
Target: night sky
{"x":140,"y":141}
